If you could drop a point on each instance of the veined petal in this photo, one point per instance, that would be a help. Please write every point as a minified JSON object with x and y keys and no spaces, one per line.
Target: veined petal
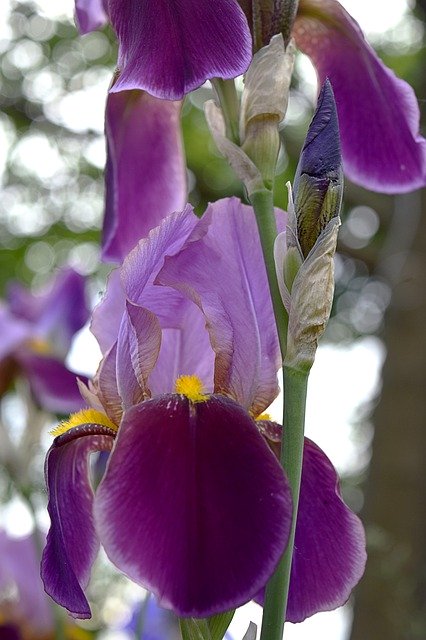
{"x":72,"y":543}
{"x":171,"y":47}
{"x":378,"y":112}
{"x":224,"y":273}
{"x":329,"y":549}
{"x":90,"y":15}
{"x":106,"y":316}
{"x":146,"y":172}
{"x":203,"y":494}
{"x":105,"y":385}
{"x":52,"y":384}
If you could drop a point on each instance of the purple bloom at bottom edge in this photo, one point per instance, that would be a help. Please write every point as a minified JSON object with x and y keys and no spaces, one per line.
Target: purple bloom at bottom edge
{"x":193,"y":504}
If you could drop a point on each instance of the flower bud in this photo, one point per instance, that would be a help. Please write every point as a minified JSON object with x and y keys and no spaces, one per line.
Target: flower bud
{"x":318,"y":184}
{"x":267,"y":18}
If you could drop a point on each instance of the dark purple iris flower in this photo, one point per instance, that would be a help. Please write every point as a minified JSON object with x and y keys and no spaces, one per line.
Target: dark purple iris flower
{"x":193,"y":504}
{"x":37,"y":330}
{"x":170,"y":47}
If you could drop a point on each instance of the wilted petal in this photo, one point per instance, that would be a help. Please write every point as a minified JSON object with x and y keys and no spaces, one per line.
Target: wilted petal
{"x":146,"y":172}
{"x":171,"y":47}
{"x":203,"y":495}
{"x":105,"y":385}
{"x":378,"y":112}
{"x":52,"y":384}
{"x":329,"y":550}
{"x":224,"y":273}
{"x":72,"y":543}
{"x":90,"y":15}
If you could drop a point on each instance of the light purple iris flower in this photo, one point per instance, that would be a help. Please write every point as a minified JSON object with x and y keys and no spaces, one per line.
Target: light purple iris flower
{"x":27,"y":606}
{"x":193,"y":504}
{"x":170,"y":47}
{"x":145,"y":172}
{"x":378,"y":113}
{"x":37,"y":330}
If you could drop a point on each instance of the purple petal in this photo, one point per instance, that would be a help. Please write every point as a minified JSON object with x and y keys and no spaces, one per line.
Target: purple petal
{"x":72,"y":543}
{"x":224,"y":274}
{"x":170,"y":47}
{"x":57,"y":312}
{"x":146,"y":171}
{"x":90,"y":15}
{"x":138,"y":346}
{"x":329,"y":549}
{"x":203,"y":495}
{"x":13,"y":332}
{"x":52,"y":384}
{"x":105,"y":386}
{"x":185,"y":350}
{"x":20,"y":567}
{"x":106,"y":316}
{"x":378,"y":112}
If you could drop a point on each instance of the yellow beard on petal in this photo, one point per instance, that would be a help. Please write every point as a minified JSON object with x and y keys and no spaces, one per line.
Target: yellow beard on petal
{"x":86,"y":416}
{"x":264,"y":416}
{"x":191,"y":387}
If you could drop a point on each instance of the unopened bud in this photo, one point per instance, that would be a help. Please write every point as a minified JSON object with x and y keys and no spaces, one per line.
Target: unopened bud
{"x":318,"y":184}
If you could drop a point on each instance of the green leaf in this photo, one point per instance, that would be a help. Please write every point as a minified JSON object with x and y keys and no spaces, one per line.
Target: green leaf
{"x":219,"y":624}
{"x":194,"y":629}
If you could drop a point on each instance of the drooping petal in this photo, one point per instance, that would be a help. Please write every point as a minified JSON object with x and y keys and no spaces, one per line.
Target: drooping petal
{"x":72,"y":542}
{"x":378,"y":112}
{"x":52,"y":384}
{"x":208,"y":504}
{"x":90,"y":15}
{"x":329,"y":549}
{"x":146,"y":172}
{"x":224,"y":273}
{"x":170,"y":47}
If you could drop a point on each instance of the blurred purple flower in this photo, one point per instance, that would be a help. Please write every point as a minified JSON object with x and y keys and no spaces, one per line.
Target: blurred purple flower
{"x":190,"y":491}
{"x":145,"y":172}
{"x":158,"y":623}
{"x":37,"y":330}
{"x":169,"y":47}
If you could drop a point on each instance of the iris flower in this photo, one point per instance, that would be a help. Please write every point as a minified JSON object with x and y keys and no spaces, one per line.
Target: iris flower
{"x":37,"y":330}
{"x":193,"y":504}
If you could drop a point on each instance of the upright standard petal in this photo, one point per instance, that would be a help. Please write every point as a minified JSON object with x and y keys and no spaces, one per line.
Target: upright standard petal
{"x":224,"y":273}
{"x":378,"y":112}
{"x":90,"y":15}
{"x":146,"y":171}
{"x":209,"y":505}
{"x":72,"y":542}
{"x":329,"y":549}
{"x":170,"y":47}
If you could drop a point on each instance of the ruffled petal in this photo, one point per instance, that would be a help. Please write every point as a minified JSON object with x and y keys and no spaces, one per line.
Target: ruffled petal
{"x":329,"y":548}
{"x":378,"y":112}
{"x":203,"y":494}
{"x":52,"y":384}
{"x":171,"y":47}
{"x":72,"y":543}
{"x":146,"y":172}
{"x":224,"y":273}
{"x":90,"y":15}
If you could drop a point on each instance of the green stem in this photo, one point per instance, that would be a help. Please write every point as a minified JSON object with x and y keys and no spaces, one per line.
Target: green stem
{"x":295,"y":385}
{"x":230,"y":103}
{"x":263,"y":205}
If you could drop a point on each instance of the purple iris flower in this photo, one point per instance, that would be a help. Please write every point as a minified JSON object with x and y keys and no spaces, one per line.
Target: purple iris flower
{"x":145,"y":172}
{"x":158,"y":623}
{"x":193,"y":504}
{"x":170,"y":47}
{"x":37,"y":330}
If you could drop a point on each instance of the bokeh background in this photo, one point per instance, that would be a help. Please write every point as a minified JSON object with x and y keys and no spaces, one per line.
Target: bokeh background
{"x":367,"y":402}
